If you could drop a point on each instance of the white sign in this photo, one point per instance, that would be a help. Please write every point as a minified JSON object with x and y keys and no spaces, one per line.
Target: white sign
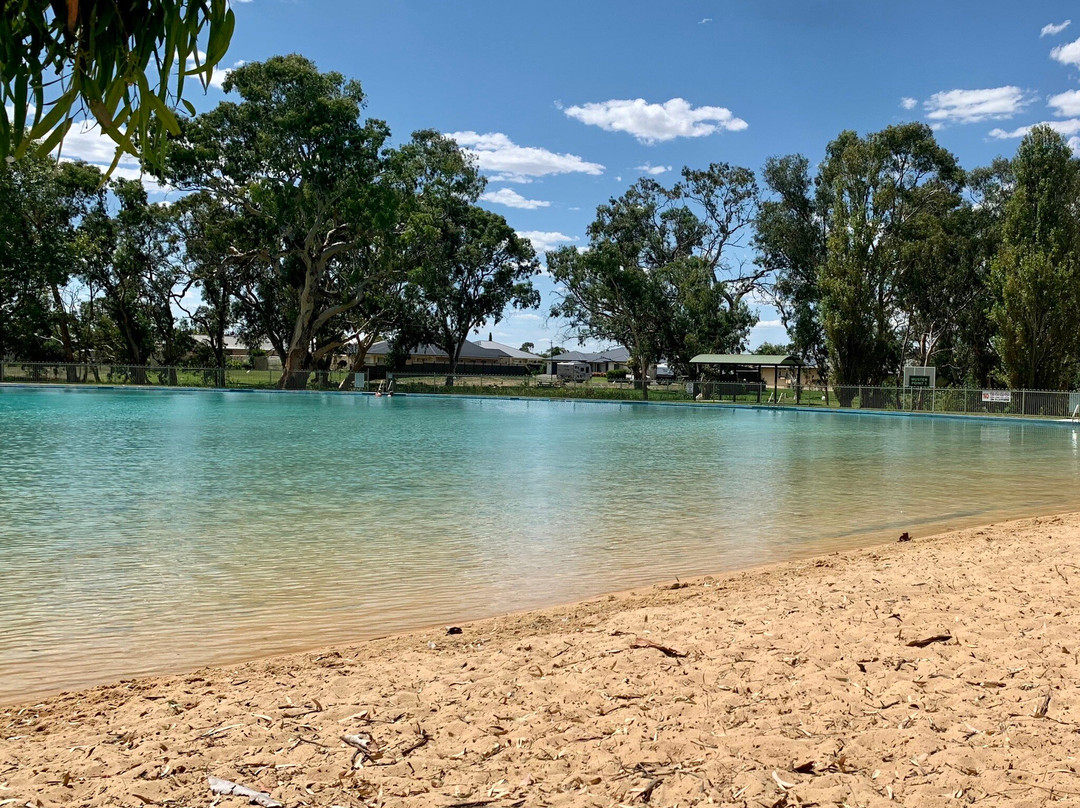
{"x":999,"y":396}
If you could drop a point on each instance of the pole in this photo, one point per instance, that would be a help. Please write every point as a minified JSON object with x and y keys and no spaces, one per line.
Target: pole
{"x":759,"y":384}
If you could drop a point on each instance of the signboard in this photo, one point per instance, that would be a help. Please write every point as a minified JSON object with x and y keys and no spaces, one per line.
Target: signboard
{"x":997,"y":396}
{"x":920,"y":377}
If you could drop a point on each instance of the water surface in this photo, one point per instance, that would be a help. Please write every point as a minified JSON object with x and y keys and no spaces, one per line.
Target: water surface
{"x":143,"y":531}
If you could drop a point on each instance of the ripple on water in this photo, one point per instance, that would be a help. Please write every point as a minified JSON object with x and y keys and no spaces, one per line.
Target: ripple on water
{"x":148,"y":531}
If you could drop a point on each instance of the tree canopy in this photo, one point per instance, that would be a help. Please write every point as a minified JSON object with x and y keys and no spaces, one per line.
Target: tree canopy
{"x":302,"y":224}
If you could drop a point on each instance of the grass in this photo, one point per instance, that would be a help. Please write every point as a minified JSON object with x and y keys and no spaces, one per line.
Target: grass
{"x":943,"y":400}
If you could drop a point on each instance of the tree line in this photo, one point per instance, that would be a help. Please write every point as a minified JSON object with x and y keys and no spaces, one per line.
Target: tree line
{"x":888,"y":254}
{"x":299,"y":223}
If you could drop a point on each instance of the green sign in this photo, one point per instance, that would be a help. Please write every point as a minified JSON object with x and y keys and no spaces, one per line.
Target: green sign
{"x":918,"y":381}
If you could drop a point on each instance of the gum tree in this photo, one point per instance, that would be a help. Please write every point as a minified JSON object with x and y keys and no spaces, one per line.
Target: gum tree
{"x":472,"y":266}
{"x":873,"y":193}
{"x":790,"y":242}
{"x":606,"y":300}
{"x":295,"y":160}
{"x":39,"y":246}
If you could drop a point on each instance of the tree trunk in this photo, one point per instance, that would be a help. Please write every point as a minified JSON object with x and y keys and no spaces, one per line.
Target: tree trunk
{"x":643,"y":372}
{"x":294,"y":374}
{"x":453,"y":356}
{"x":65,"y":336}
{"x":356,"y":365}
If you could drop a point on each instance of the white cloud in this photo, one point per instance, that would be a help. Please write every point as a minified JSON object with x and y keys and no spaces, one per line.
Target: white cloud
{"x":1067,"y":54}
{"x":1066,"y":128}
{"x":1074,"y":144}
{"x":768,"y":324}
{"x":972,"y":106}
{"x":512,"y":199}
{"x":87,"y":143}
{"x":652,"y":123}
{"x":654,"y":170}
{"x":1053,"y":29}
{"x":705,"y":20}
{"x":908,"y":102}
{"x":526,"y":316}
{"x":1067,"y":103}
{"x":217,"y":78}
{"x":543,"y":241}
{"x":496,"y":153}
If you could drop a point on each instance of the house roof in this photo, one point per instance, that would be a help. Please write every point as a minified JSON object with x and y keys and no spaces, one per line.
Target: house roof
{"x":617,"y":354}
{"x":469,"y":351}
{"x":746,"y":360}
{"x":232,"y":343}
{"x":513,"y":353}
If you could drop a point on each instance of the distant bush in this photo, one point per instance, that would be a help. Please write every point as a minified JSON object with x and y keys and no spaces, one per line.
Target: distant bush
{"x":616,"y":375}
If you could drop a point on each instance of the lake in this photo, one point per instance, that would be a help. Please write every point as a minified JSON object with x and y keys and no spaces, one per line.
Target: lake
{"x":148,"y":531}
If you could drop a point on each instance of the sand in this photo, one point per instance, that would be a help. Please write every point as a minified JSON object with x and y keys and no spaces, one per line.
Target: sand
{"x":794,"y":685}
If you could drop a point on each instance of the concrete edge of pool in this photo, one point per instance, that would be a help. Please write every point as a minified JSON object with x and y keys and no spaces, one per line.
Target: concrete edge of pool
{"x":1008,"y":419}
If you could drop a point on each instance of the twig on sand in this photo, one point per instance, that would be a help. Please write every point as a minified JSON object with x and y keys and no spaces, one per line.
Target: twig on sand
{"x":784,"y":785}
{"x":228,"y":788}
{"x":420,"y":741}
{"x":929,"y":640}
{"x":365,"y":746}
{"x":1044,"y":705}
{"x":646,"y":793}
{"x":640,"y":642}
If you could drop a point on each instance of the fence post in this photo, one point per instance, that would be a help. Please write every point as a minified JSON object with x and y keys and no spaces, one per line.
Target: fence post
{"x":1023,"y":402}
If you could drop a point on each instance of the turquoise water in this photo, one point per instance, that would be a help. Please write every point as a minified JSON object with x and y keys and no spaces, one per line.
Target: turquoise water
{"x":143,"y":531}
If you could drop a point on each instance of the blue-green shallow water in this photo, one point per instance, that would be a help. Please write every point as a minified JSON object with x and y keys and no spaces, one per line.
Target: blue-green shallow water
{"x":143,"y":531}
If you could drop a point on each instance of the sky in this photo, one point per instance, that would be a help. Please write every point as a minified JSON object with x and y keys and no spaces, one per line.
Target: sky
{"x":566,"y":104}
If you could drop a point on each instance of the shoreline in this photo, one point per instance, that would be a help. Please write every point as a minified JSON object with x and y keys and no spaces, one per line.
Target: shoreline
{"x":835,"y":545}
{"x":1041,"y":420}
{"x":801,"y":668}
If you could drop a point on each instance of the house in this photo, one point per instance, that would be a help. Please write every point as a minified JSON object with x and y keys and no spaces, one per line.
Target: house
{"x":515,"y":356}
{"x":433,"y":359}
{"x":237,"y":351}
{"x":598,"y":361}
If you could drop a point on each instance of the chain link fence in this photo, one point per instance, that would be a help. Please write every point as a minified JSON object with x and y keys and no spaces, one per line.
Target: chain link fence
{"x":962,"y":401}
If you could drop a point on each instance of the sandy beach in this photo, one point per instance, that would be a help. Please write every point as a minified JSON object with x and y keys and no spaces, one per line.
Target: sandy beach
{"x":940,"y":671}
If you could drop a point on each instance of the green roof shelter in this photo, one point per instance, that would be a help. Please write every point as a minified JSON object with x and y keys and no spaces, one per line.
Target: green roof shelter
{"x":775,"y":361}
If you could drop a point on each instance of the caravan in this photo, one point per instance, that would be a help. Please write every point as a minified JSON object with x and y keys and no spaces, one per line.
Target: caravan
{"x":573,"y":372}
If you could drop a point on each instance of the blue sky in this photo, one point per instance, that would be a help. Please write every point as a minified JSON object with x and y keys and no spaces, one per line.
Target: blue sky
{"x":569,"y":103}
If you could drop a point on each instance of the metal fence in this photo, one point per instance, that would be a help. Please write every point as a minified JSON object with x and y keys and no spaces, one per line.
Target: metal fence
{"x":1037,"y":403}
{"x":946,"y":400}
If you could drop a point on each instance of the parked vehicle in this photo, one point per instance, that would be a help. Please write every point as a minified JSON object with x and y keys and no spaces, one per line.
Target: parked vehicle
{"x":664,"y":374}
{"x":573,"y":371}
